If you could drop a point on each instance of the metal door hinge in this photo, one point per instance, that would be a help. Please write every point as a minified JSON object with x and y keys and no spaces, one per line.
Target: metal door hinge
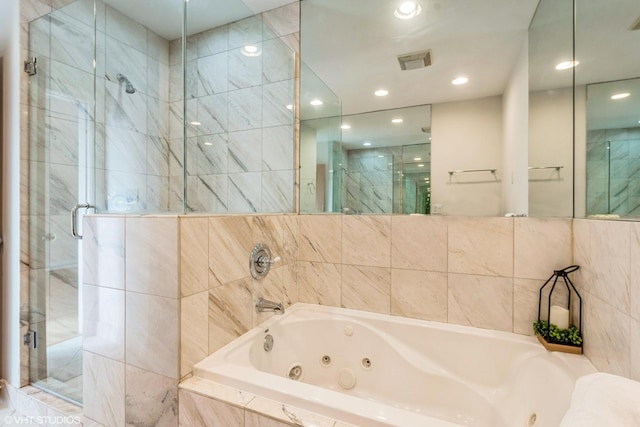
{"x":31,"y":67}
{"x":30,"y":338}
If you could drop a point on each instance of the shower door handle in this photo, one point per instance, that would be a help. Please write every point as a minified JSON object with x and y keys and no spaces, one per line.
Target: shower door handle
{"x":74,"y":218}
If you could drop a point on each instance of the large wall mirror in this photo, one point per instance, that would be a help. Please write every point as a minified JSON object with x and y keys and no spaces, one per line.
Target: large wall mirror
{"x":517,"y":133}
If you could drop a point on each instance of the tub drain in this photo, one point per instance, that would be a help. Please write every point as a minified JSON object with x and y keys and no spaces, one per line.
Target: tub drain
{"x":295,"y":373}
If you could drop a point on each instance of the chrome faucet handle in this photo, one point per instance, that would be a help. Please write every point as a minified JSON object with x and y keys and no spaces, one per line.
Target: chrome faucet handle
{"x":260,"y":261}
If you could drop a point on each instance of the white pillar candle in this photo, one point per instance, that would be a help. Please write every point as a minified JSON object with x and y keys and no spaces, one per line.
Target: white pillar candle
{"x":559,"y":316}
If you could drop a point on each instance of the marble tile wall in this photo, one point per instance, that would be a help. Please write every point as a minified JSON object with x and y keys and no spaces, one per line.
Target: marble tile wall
{"x":613,"y":171}
{"x":611,"y":291}
{"x":370,"y":180}
{"x":131,"y":320}
{"x":240,"y":133}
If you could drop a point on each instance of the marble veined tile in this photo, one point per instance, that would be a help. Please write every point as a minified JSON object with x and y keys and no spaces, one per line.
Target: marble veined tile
{"x":419,"y":294}
{"x":231,"y":309}
{"x":275,"y":98}
{"x":245,"y":151}
{"x":106,"y":378}
{"x":201,"y":411}
{"x":212,"y":193}
{"x":481,"y":301}
{"x":157,"y":156}
{"x":610,"y":262}
{"x":72,"y":42}
{"x":635,"y":349}
{"x":125,"y":150}
{"x":277,"y":191}
{"x":63,"y":188}
{"x":607,"y":337}
{"x":213,"y":114}
{"x":321,"y":238}
{"x":124,"y":110}
{"x":634,"y":288}
{"x":525,"y":304}
{"x":103,"y":248}
{"x":245,"y":71}
{"x":217,"y":391}
{"x":151,"y":399}
{"x":582,"y":252}
{"x":245,"y":32}
{"x":194,"y":330}
{"x":419,"y":242}
{"x":157,"y":47}
{"x":65,"y":138}
{"x":541,"y":245}
{"x":157,"y":80}
{"x":366,"y":240}
{"x":213,"y":74}
{"x":320,"y":283}
{"x":283,"y":20}
{"x":103,"y":319}
{"x":126,"y":29}
{"x":213,"y":41}
{"x":265,"y":412}
{"x":71,"y":91}
{"x":194,"y":255}
{"x":152,"y":335}
{"x":123,"y":59}
{"x":152,"y":256}
{"x":244,"y":192}
{"x":277,"y":148}
{"x":481,"y":246}
{"x":230,"y":243}
{"x":278,"y":61}
{"x":213,"y":153}
{"x":245,"y":109}
{"x":366,"y":288}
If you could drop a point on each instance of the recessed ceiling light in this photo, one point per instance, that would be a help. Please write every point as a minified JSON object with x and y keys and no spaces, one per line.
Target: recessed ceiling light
{"x":208,"y":143}
{"x":381,"y":92}
{"x":417,"y":159}
{"x":366,"y":144}
{"x":345,"y":126}
{"x":196,"y":123}
{"x":316,"y":102}
{"x":565,"y":65}
{"x":250,"y":50}
{"x":620,"y":95}
{"x":407,"y":10}
{"x":398,"y":120}
{"x":459,"y":80}
{"x":421,"y":165}
{"x":380,"y":156}
{"x":290,"y":107}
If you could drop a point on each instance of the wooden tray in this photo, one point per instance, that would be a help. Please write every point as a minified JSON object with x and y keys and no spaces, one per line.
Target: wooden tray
{"x":559,"y":347}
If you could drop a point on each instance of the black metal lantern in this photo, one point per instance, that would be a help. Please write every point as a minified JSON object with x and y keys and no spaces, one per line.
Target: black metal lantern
{"x":558,"y":332}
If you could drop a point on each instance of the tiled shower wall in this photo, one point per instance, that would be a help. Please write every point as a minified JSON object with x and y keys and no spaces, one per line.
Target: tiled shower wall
{"x":240,"y":151}
{"x":613,"y":178}
{"x":370,"y":180}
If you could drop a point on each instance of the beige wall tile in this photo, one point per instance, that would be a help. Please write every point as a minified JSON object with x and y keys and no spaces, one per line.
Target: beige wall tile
{"x":230,"y":244}
{"x":200,"y":411}
{"x":320,"y":283}
{"x":151,"y":399}
{"x":419,"y":294}
{"x":525,"y":305}
{"x":270,"y":287}
{"x":231,"y":308}
{"x":152,"y":256}
{"x":194,"y":330}
{"x":152,"y":335}
{"x":606,"y":337}
{"x":481,"y":301}
{"x":103,"y":251}
{"x":481,"y":246}
{"x":419,"y":243}
{"x":582,"y":252}
{"x":366,"y":288}
{"x":290,"y":283}
{"x":103,"y":312}
{"x":283,"y":20}
{"x":541,"y":245}
{"x":255,"y":419}
{"x":366,"y":240}
{"x":290,"y":238}
{"x":194,"y":255}
{"x":280,"y":412}
{"x":321,"y":238}
{"x":106,"y":380}
{"x":269,"y":230}
{"x":610,"y":263}
{"x":634,"y":274}
{"x":635,"y":349}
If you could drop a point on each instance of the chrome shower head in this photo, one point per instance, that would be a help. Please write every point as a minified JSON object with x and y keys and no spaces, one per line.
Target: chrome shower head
{"x":128,"y":86}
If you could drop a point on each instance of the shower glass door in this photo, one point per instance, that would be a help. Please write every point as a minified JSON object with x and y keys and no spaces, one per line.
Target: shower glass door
{"x":61,"y":169}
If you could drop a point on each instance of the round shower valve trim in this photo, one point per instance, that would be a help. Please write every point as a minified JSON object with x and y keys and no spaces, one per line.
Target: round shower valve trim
{"x":260,"y":261}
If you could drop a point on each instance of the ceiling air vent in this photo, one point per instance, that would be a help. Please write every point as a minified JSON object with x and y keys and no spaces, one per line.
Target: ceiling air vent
{"x":636,"y":25}
{"x":413,"y":61}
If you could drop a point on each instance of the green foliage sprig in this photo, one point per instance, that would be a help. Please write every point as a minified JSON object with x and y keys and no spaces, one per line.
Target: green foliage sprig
{"x":552,"y":334}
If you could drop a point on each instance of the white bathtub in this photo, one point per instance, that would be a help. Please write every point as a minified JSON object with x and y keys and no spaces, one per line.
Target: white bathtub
{"x":403,"y":372}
